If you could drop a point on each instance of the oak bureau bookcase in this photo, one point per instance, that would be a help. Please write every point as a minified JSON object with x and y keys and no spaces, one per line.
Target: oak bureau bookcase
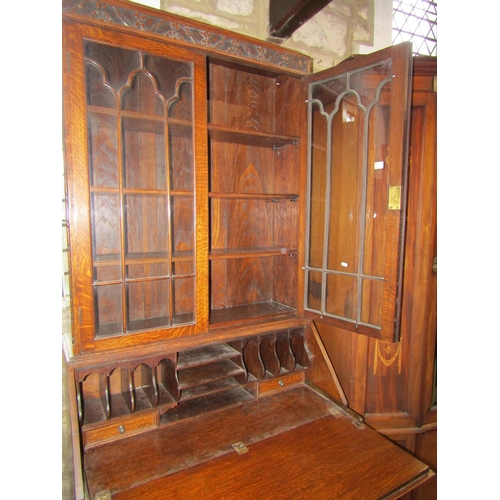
{"x":221,"y":199}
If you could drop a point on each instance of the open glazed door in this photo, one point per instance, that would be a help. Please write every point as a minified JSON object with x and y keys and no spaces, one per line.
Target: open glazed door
{"x":356,"y":194}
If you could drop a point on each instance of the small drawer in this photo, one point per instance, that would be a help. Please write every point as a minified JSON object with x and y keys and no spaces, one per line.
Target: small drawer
{"x":280,"y":383}
{"x":118,"y":428}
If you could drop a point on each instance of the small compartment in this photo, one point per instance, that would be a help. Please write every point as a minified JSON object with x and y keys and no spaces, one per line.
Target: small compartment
{"x":299,"y":348}
{"x":284,"y":351}
{"x":253,"y":360}
{"x":168,"y":385}
{"x":144,"y":387}
{"x":206,"y":354}
{"x":205,"y":404}
{"x":209,"y":378}
{"x":269,"y":355}
{"x":199,"y":375}
{"x":120,"y":392}
{"x":94,"y":397}
{"x":209,"y":369}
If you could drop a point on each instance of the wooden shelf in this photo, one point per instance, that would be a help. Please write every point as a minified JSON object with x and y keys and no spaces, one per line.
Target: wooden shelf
{"x":255,"y":196}
{"x":139,"y":116}
{"x":249,"y":312}
{"x":142,"y":258}
{"x":209,"y":388}
{"x":203,"y":374}
{"x":206,"y":404}
{"x":206,"y":354}
{"x":222,"y":133}
{"x":241,"y":253}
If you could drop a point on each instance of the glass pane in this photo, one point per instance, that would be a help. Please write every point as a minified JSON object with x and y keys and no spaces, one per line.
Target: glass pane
{"x":314,"y":290}
{"x":346,"y":186}
{"x":98,"y":92}
{"x":107,"y":273}
{"x":376,"y":191}
{"x":319,"y":145}
{"x":148,"y":304}
{"x":142,"y":95}
{"x":146,"y":230}
{"x":183,"y":300}
{"x":108,"y":309}
{"x":183,"y":267}
{"x":183,"y":224}
{"x":150,"y":270}
{"x":117,"y":62}
{"x":341,"y":295}
{"x":181,"y":158}
{"x":103,"y":150}
{"x":144,"y":153}
{"x":167,"y":74}
{"x":366,"y":83}
{"x":106,"y":241}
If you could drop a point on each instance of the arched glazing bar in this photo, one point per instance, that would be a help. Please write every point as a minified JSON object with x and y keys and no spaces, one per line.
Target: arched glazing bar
{"x":360,"y":90}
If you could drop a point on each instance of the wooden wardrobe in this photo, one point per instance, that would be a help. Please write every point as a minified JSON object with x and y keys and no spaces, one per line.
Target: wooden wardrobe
{"x":240,"y":249}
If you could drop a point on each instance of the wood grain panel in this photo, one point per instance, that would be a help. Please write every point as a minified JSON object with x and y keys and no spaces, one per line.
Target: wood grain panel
{"x":334,"y":460}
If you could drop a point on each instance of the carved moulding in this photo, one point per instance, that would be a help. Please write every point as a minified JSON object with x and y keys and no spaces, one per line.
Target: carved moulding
{"x":177,"y":28}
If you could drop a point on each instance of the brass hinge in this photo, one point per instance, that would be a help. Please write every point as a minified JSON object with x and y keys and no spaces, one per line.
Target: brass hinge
{"x":394,"y":198}
{"x":337,"y":409}
{"x":435,"y":83}
{"x":240,"y":448}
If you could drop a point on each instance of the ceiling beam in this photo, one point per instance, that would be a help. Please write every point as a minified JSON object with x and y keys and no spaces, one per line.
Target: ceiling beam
{"x":286,"y":16}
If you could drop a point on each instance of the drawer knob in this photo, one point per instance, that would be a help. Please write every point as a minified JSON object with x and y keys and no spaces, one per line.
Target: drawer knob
{"x":281,"y":383}
{"x":121,"y":429}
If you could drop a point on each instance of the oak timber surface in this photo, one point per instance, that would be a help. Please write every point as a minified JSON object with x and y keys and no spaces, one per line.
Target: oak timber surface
{"x":297,"y":449}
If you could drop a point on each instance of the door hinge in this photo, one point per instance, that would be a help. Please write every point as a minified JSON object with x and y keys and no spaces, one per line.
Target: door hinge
{"x":240,"y":448}
{"x":394,"y":198}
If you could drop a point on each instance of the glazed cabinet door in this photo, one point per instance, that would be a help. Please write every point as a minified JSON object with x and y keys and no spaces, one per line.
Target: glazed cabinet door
{"x":358,"y":134}
{"x":135,"y":128}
